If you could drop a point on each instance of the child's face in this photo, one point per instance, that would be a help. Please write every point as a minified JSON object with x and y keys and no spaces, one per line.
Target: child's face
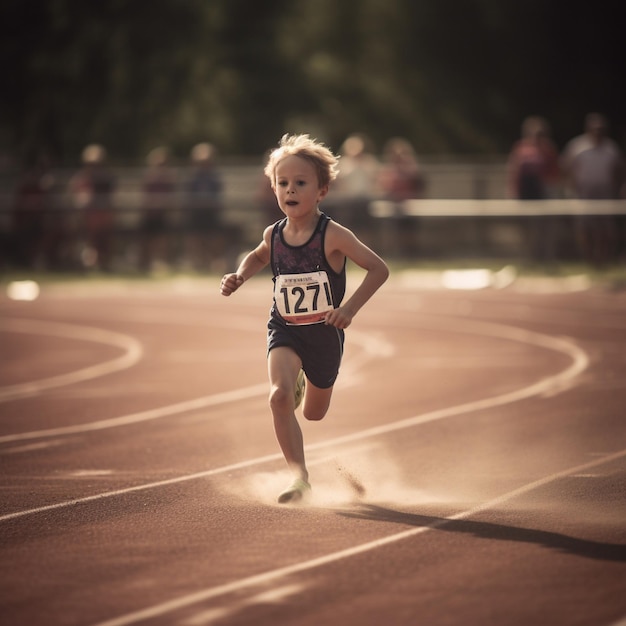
{"x":296,"y":186}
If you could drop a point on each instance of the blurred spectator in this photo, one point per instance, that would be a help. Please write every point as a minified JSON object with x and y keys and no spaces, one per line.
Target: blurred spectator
{"x":533,"y":174}
{"x":92,"y":190}
{"x":401,"y":176}
{"x":266,"y":198}
{"x":533,"y":164}
{"x":205,"y":241}
{"x":401,"y":179}
{"x":356,"y":183}
{"x":158,"y":203}
{"x":33,"y":228}
{"x":593,"y":166}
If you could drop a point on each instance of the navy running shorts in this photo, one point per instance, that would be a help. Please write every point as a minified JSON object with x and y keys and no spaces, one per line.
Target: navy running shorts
{"x":320,"y":348}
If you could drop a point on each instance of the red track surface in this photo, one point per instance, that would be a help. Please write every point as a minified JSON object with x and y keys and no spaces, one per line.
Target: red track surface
{"x":140,"y":469}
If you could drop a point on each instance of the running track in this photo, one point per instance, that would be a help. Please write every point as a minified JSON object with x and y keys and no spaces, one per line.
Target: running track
{"x":472,"y":469}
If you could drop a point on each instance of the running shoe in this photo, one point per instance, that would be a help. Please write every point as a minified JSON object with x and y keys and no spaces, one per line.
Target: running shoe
{"x":299,"y":391}
{"x":298,"y":491}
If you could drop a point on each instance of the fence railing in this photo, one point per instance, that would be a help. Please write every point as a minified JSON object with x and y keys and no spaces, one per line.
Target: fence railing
{"x":526,"y":230}
{"x":465,"y":214}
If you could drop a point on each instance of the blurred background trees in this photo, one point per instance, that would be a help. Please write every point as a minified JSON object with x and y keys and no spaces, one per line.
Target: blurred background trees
{"x":453,"y":76}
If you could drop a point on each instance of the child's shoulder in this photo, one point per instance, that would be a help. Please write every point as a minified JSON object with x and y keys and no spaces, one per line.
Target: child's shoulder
{"x":267,"y":233}
{"x":338,"y":236}
{"x":336,"y":229}
{"x":269,"y":229}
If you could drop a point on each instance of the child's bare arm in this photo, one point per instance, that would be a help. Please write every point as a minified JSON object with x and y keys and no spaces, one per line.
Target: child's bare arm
{"x":252,"y":263}
{"x":344,"y":243}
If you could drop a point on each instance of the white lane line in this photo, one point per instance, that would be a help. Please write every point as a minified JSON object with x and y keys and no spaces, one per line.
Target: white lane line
{"x":143,"y":487}
{"x":579,"y":358}
{"x":372,"y":347}
{"x":273,"y":596}
{"x":38,"y":445}
{"x":272,"y":575}
{"x":142,"y":416}
{"x":133,"y":352}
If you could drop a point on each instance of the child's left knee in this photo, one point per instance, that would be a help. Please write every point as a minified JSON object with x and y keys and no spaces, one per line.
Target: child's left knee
{"x":316,"y":402}
{"x":314,"y":411}
{"x":312,"y":415}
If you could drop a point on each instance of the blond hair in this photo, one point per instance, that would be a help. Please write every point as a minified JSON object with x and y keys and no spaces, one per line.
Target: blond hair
{"x":326,"y":164}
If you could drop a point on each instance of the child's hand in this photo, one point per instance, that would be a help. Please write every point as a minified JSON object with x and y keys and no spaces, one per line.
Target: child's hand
{"x":230,"y":283}
{"x":339,"y":318}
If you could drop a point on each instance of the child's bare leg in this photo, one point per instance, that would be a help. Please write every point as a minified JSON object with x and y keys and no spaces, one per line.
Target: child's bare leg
{"x":283,"y":367}
{"x":316,"y":401}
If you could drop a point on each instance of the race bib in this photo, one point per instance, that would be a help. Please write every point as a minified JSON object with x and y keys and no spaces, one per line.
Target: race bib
{"x":303,"y":298}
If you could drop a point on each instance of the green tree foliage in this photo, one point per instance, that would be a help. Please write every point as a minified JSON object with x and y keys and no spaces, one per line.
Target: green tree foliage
{"x":453,"y":76}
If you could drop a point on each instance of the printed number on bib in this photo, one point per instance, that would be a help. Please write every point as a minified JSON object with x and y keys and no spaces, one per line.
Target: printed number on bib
{"x":303,"y":298}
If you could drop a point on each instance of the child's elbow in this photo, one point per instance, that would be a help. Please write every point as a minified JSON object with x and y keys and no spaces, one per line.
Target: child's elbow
{"x":384,"y":272}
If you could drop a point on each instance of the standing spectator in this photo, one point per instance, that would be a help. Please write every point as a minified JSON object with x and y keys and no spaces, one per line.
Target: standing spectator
{"x":401,"y":179}
{"x":593,"y":166}
{"x":203,"y":224}
{"x":33,"y":232}
{"x":356,"y":183}
{"x":532,"y":174}
{"x":92,"y":190}
{"x":159,"y":188}
{"x":533,"y":164}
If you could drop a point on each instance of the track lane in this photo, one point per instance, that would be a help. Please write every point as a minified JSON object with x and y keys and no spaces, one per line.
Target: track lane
{"x":372,"y":348}
{"x":232,"y":498}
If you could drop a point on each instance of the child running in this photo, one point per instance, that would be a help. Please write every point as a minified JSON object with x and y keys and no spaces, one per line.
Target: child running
{"x":307,"y":252}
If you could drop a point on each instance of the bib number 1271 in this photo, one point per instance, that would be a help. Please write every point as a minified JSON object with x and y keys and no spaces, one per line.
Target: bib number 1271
{"x":303,"y":298}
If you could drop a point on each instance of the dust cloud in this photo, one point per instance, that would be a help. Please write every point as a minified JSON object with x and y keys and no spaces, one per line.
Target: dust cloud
{"x":367,"y":474}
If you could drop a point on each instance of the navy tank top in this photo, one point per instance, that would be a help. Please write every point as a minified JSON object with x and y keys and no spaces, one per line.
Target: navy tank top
{"x":299,"y":290}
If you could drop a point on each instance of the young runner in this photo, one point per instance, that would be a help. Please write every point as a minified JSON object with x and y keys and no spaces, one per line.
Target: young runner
{"x":307,"y":252}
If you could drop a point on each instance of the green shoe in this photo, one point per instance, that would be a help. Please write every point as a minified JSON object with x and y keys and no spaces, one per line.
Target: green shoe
{"x":298,"y":491}
{"x":300,"y":386}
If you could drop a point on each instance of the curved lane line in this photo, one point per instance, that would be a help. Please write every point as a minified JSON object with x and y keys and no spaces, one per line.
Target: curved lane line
{"x":133,"y":352}
{"x":372,"y":348}
{"x":133,"y":418}
{"x":580,"y":362}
